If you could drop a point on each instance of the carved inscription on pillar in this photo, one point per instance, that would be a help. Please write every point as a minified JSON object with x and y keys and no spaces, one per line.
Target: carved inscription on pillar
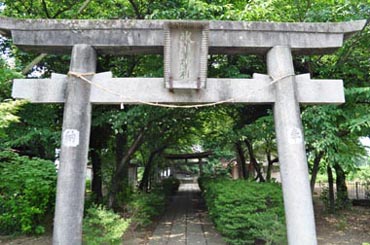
{"x":185,"y":55}
{"x":71,"y":138}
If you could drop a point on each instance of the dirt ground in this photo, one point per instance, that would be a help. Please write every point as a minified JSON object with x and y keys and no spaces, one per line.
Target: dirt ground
{"x":347,"y":227}
{"x":350,"y":227}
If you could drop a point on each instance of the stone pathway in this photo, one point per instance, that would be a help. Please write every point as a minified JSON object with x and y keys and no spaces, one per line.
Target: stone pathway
{"x":186,"y":221}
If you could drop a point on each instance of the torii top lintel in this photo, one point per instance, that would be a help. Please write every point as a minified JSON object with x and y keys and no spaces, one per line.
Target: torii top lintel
{"x":119,"y":37}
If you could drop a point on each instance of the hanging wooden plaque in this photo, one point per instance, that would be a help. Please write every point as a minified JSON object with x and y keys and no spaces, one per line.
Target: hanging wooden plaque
{"x":185,"y":55}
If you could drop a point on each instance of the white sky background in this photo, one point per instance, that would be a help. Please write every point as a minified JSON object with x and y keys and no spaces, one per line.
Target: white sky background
{"x":366,"y":142}
{"x":10,"y":61}
{"x":2,"y":7}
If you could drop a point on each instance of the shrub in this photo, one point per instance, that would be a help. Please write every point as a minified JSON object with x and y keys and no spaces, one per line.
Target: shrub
{"x":102,"y":226}
{"x":27,"y":193}
{"x":324,"y":197}
{"x":145,"y":206}
{"x":170,"y":185}
{"x":246,"y":212}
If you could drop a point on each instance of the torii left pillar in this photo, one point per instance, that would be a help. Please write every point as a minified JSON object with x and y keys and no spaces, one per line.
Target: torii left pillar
{"x":74,"y":151}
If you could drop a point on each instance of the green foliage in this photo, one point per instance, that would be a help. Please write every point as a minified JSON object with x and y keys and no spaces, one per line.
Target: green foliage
{"x":6,"y":76}
{"x":324,"y":197}
{"x":364,"y":174}
{"x":7,"y":114}
{"x":102,"y":226}
{"x":331,"y":129}
{"x":246,"y":212}
{"x":340,"y":202}
{"x":38,"y":129}
{"x":170,"y":185}
{"x":8,"y":108}
{"x":27,"y":193}
{"x":143,"y":207}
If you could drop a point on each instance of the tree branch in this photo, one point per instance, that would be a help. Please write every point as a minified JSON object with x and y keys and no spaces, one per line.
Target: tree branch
{"x":253,"y":160}
{"x":45,"y":9}
{"x":131,"y":151}
{"x":148,"y":9}
{"x":275,"y":160}
{"x":148,"y":167}
{"x":60,"y":11}
{"x":115,"y":179}
{"x":29,"y":9}
{"x":344,"y":57}
{"x":136,"y":9}
{"x":34,"y":62}
{"x":39,"y":58}
{"x":83,"y":7}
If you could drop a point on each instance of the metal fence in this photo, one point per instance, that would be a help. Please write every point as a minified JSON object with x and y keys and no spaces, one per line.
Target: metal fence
{"x":356,"y":190}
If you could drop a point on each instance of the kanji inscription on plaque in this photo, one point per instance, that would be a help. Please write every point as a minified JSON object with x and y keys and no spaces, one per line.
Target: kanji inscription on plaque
{"x":71,"y":137}
{"x":185,"y":54}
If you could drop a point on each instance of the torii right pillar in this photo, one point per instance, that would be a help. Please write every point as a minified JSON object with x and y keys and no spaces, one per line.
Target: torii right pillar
{"x":291,"y":149}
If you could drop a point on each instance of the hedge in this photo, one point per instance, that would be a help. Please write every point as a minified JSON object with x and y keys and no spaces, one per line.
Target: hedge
{"x":246,"y":212}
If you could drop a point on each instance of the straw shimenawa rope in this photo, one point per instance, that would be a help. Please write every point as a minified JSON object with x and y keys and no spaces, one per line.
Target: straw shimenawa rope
{"x":82,"y":76}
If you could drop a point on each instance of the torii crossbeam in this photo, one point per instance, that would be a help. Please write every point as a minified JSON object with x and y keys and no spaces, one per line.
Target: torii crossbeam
{"x":187,"y":156}
{"x":185,"y":81}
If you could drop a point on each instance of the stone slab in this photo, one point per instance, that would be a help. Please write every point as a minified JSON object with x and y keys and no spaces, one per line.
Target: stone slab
{"x":185,"y":222}
{"x":117,"y":37}
{"x":130,"y":90}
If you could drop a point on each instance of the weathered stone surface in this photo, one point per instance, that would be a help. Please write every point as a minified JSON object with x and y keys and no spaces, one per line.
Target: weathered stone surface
{"x":118,"y":37}
{"x":74,"y":150}
{"x":185,"y":55}
{"x":291,"y":150}
{"x":132,"y":90}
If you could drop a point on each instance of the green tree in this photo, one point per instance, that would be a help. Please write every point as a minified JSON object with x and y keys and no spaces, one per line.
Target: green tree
{"x":133,"y":133}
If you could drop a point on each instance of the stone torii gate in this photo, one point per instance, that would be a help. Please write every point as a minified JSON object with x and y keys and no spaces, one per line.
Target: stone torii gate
{"x":185,"y":45}
{"x":187,"y":156}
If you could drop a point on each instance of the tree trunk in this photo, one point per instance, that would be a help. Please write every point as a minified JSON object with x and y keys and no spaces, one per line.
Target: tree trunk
{"x":315,"y":169}
{"x":96,"y":184}
{"x":145,"y":182}
{"x":115,"y":183}
{"x":331,"y":190}
{"x":253,"y":160}
{"x":98,"y":140}
{"x":270,"y":163}
{"x":121,"y":145}
{"x":120,"y":142}
{"x":342,"y":192}
{"x":241,"y":159}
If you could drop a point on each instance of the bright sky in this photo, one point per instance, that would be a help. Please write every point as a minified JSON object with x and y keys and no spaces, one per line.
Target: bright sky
{"x":366,"y":142}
